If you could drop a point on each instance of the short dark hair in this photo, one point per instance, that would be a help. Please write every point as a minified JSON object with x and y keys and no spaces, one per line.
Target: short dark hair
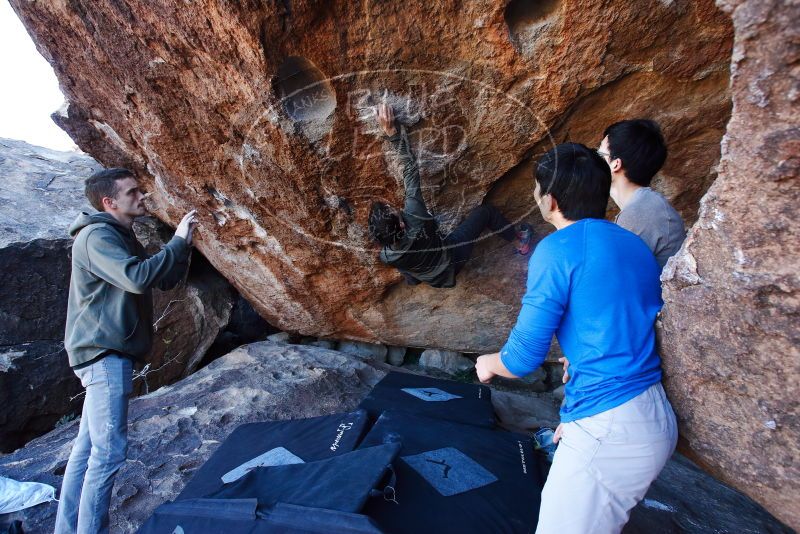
{"x":640,"y":145}
{"x":104,"y":184}
{"x":384,"y":223}
{"x":578,"y":178}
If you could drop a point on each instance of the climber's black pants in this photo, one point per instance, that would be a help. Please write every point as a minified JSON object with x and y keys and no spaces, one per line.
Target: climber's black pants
{"x":463,"y":238}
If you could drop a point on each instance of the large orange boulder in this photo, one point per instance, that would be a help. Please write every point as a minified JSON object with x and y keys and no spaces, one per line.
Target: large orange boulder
{"x":259,"y":115}
{"x":730,"y":333}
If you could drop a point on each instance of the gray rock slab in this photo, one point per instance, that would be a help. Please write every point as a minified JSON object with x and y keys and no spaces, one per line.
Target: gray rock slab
{"x":371,"y":351}
{"x":324,"y":344}
{"x":279,"y":337}
{"x":686,"y":500}
{"x":396,"y":356}
{"x":525,"y":413}
{"x":41,"y":192}
{"x":446,"y":360}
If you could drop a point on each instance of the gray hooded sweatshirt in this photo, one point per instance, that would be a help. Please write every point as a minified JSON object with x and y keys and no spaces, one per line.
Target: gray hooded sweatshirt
{"x":110,"y":305}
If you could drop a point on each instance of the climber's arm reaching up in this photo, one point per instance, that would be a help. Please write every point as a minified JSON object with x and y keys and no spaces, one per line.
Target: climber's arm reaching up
{"x":414,"y":204}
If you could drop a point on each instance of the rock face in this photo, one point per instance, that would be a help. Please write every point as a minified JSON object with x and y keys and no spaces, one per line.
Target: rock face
{"x":396,"y":355}
{"x":729,"y":328}
{"x":42,"y":194}
{"x":259,"y":115}
{"x":446,"y":360}
{"x":372,"y":351}
{"x":174,"y":430}
{"x":685,"y":500}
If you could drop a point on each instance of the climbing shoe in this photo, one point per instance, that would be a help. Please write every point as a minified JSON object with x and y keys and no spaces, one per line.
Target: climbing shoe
{"x":524,"y":239}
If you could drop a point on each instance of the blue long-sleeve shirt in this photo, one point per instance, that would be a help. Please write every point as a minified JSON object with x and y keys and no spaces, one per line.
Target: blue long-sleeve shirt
{"x":596,"y":287}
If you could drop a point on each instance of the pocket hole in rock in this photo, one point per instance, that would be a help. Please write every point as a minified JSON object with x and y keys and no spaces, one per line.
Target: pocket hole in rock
{"x":525,"y":18}
{"x":305,"y":91}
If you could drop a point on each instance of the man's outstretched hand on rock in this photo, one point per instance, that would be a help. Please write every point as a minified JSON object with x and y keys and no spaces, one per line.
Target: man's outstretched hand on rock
{"x":386,"y":119}
{"x":187,"y":226}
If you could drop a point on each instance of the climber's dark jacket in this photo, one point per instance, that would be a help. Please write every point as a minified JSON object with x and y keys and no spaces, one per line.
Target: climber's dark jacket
{"x":419,"y":252}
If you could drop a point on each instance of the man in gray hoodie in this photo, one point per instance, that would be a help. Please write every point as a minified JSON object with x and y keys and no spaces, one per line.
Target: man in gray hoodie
{"x":109,"y":326}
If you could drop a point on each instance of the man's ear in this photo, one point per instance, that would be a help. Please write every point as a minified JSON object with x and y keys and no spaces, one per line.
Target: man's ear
{"x":616,"y":165}
{"x":108,"y":202}
{"x":553,"y":204}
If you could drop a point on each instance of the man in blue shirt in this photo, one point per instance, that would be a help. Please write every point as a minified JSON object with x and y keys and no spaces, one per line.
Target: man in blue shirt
{"x":596,"y":287}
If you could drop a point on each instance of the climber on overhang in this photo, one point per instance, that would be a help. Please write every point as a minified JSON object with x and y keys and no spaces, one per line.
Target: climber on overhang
{"x":410,"y":238}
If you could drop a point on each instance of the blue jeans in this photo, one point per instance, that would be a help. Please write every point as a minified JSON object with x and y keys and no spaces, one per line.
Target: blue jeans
{"x":99,"y":449}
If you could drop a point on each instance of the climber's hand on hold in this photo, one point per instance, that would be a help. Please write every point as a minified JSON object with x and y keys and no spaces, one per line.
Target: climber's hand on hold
{"x":386,"y":119}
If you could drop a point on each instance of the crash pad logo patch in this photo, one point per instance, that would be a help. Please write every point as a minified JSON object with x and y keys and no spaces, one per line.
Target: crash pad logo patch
{"x":276,"y":456}
{"x":431,"y":394}
{"x":449,"y":470}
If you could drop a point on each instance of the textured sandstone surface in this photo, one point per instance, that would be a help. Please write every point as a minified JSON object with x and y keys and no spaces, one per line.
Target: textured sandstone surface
{"x":258,"y":115}
{"x":729,"y":329}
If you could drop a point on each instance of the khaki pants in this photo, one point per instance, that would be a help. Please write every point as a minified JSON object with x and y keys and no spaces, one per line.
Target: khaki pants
{"x":605,"y":463}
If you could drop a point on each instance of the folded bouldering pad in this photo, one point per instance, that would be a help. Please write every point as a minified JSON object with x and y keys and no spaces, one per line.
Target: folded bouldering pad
{"x":241,"y":516}
{"x":276,"y":443}
{"x":441,"y":399}
{"x":456,"y":478}
{"x":342,"y":483}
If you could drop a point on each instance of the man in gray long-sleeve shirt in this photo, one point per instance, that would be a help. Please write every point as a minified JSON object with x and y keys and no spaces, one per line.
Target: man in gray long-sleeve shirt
{"x":410,"y":238}
{"x":635,"y":151}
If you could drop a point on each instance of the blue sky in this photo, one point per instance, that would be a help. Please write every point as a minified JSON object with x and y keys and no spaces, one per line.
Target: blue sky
{"x":29,"y":90}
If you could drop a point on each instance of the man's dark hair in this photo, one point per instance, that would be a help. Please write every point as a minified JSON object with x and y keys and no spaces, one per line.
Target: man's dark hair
{"x":640,"y":145}
{"x":384,"y":223}
{"x":104,"y":184}
{"x":578,"y":178}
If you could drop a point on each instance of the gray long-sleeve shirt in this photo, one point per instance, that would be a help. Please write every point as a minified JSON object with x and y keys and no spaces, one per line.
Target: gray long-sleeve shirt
{"x":650,"y":216}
